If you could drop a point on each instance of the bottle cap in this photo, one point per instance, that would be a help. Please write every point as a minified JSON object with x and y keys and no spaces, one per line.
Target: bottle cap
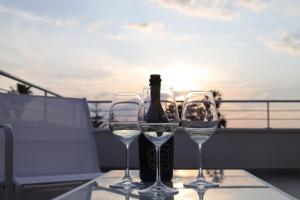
{"x":155,"y":80}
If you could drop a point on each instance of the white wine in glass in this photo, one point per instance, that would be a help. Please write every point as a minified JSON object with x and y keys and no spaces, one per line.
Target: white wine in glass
{"x":123,"y":121}
{"x":200,"y":121}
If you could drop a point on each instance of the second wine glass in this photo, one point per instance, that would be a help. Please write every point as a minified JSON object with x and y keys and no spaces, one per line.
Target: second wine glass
{"x":158,"y":119}
{"x":123,"y":120}
{"x":200,"y":121}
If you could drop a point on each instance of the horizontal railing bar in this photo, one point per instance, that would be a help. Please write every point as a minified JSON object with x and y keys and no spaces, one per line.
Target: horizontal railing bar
{"x":259,"y":101}
{"x":99,"y":101}
{"x":246,"y":110}
{"x":124,"y":109}
{"x":245,"y":119}
{"x":279,"y":119}
{"x":4,"y":90}
{"x":124,"y":115}
{"x":99,"y":110}
{"x":221,"y":110}
{"x":221,"y":101}
{"x":3,"y":73}
{"x":284,"y":110}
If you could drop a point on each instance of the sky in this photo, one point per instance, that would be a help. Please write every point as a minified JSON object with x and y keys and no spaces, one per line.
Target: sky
{"x":247,"y":49}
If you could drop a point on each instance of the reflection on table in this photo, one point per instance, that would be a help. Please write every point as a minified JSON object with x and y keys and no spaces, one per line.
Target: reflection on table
{"x":234,"y":185}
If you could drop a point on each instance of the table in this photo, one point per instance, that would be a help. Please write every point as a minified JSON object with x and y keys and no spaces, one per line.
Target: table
{"x":234,"y":185}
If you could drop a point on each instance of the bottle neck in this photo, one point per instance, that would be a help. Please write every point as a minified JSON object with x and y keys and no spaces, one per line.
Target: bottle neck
{"x":155,"y":94}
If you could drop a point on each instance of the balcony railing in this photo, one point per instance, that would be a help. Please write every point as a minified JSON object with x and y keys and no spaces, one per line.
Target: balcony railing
{"x":12,"y":77}
{"x":239,"y":113}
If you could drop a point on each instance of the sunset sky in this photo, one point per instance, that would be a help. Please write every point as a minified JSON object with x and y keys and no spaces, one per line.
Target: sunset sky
{"x":244,"y":48}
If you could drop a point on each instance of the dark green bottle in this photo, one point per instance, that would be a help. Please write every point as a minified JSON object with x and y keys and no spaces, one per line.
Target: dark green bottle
{"x":147,"y":156}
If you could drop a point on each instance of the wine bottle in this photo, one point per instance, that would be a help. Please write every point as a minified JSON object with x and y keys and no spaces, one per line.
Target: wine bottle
{"x":155,"y":114}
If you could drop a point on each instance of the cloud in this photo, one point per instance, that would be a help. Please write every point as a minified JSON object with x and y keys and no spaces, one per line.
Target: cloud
{"x":94,"y":26}
{"x":118,"y":37}
{"x":147,"y":28}
{"x":293,"y":11}
{"x":211,"y":9}
{"x":158,"y":30}
{"x":69,"y":22}
{"x":22,"y":14}
{"x":284,"y":43}
{"x":62,"y":65}
{"x":254,"y":5}
{"x":66,"y":22}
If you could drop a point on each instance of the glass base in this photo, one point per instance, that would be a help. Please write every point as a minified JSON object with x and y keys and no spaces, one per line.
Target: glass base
{"x":126,"y":185}
{"x":201,"y":183}
{"x":158,"y":190}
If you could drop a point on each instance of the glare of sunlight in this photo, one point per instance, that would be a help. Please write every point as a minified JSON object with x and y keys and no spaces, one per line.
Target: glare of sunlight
{"x":183,"y":77}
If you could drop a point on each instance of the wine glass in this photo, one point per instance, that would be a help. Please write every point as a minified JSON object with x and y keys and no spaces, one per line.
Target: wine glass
{"x":201,"y":192}
{"x":123,"y":121}
{"x":200,"y":121}
{"x":158,"y":119}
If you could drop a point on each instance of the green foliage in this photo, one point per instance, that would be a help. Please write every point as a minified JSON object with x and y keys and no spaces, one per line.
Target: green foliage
{"x":218,"y":97}
{"x":97,"y":119}
{"x":21,"y":89}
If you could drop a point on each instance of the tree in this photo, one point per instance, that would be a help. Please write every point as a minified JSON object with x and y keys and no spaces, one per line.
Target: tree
{"x":216,"y":175}
{"x":170,"y":111}
{"x":193,"y":109}
{"x":21,"y":89}
{"x":97,"y":120}
{"x":218,"y":97}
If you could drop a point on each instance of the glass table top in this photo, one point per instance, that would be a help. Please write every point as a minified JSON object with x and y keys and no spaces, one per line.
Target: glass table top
{"x":233,"y":185}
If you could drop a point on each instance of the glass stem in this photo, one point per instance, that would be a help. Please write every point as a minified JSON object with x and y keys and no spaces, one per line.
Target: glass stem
{"x":127,"y":176}
{"x":158,"y":179}
{"x":200,"y":172}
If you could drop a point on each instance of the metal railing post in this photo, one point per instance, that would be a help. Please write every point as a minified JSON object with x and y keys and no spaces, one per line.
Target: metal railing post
{"x":45,"y":109}
{"x":268,"y":114}
{"x":8,"y":166}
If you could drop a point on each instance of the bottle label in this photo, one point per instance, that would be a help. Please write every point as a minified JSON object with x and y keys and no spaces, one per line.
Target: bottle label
{"x":165,"y":160}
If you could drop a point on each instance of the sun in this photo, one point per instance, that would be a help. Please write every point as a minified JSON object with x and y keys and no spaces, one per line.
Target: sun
{"x":185,"y":77}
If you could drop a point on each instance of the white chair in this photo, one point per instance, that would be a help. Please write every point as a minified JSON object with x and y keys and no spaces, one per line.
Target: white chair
{"x":53,"y":140}
{"x":6,"y":146}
